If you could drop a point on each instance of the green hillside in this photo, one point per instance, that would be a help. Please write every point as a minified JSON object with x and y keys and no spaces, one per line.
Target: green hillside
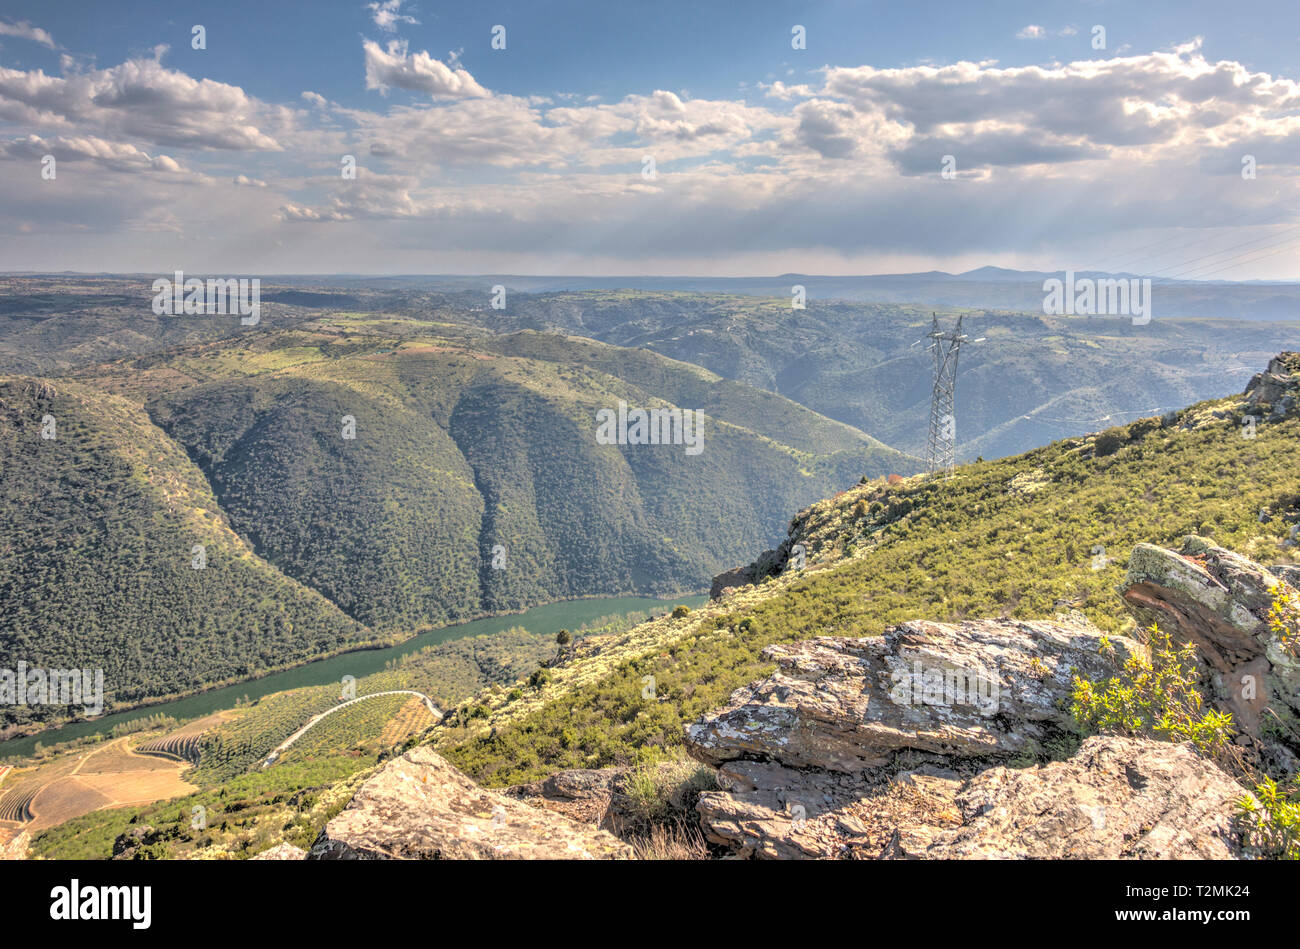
{"x":464,"y":445}
{"x":1032,"y":380}
{"x":1030,"y":536}
{"x":466,"y":450}
{"x":97,"y":562}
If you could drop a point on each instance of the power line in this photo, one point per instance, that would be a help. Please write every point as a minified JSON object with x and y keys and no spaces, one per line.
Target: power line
{"x":1196,"y":238}
{"x":1216,"y":268}
{"x":1226,"y":250}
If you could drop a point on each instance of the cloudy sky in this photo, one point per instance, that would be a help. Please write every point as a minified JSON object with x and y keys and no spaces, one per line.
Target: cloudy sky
{"x":1161,"y":138}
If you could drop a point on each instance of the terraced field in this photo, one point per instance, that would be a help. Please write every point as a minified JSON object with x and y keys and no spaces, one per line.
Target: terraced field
{"x":112,"y":775}
{"x":381,"y":722}
{"x":178,"y":747}
{"x":16,"y":805}
{"x":185,"y":743}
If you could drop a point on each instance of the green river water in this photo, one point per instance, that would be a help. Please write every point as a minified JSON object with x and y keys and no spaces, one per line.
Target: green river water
{"x":568,"y":614}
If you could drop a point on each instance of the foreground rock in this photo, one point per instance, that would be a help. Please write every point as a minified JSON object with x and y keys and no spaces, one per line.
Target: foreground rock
{"x":978,"y":688}
{"x":589,"y":796}
{"x":1220,"y":601}
{"x":15,"y":848}
{"x":1115,"y":798}
{"x":902,"y":746}
{"x":419,"y":807}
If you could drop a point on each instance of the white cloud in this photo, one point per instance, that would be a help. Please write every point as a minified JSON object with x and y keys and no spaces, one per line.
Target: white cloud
{"x":1047,"y":156}
{"x":416,"y":72}
{"x":387,"y":16}
{"x":1137,"y":106}
{"x":1031,"y":32}
{"x":24,"y":30}
{"x":140,"y":99}
{"x":118,"y":156}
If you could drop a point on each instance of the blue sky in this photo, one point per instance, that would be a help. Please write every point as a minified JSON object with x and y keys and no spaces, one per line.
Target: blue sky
{"x":767,"y":159}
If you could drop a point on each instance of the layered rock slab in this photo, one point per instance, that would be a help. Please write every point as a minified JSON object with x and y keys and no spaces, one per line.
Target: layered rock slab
{"x":857,"y":748}
{"x":1220,"y":601}
{"x":977,"y":688}
{"x":420,"y":807}
{"x":1116,"y":798}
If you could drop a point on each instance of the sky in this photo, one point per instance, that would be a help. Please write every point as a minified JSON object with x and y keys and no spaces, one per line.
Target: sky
{"x":697,"y":138}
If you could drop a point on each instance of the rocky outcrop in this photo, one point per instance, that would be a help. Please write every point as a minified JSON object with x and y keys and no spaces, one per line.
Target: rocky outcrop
{"x":1276,"y":387}
{"x":730,"y":581}
{"x":1115,"y":798}
{"x":978,"y":688}
{"x":769,"y":563}
{"x":420,"y":807}
{"x":906,"y":746}
{"x":585,"y":795}
{"x":1220,"y":601}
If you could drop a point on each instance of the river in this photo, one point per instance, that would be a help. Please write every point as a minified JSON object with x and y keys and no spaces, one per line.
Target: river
{"x":550,"y":618}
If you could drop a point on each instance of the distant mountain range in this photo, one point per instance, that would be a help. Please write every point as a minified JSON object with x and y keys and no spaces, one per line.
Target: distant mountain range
{"x":991,"y":288}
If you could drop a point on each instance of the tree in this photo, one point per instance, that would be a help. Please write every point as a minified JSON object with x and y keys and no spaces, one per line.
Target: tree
{"x":562,"y":638}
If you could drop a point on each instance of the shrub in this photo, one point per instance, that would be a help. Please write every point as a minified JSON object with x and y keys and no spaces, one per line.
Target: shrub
{"x":681,"y":611}
{"x":1273,"y":820}
{"x":1284,"y":616}
{"x":1107,"y":443}
{"x":1156,"y":696}
{"x":659,"y":789}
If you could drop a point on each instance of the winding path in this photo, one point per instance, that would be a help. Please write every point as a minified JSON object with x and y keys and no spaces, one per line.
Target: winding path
{"x":428,"y":702}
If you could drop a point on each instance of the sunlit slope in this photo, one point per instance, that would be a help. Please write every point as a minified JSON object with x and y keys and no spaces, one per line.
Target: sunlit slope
{"x":1029,"y":536}
{"x":475,"y":481}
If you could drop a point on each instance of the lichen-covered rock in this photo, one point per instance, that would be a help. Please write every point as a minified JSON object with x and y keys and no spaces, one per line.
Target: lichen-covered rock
{"x":420,"y":807}
{"x":978,"y":688}
{"x":847,"y":751}
{"x":1115,"y":798}
{"x":1219,"y":601}
{"x":775,"y":812}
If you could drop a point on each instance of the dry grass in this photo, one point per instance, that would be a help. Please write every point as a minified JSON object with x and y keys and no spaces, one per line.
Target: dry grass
{"x":674,"y":841}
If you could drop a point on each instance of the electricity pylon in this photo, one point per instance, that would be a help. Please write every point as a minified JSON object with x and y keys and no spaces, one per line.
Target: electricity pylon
{"x":942,"y":454}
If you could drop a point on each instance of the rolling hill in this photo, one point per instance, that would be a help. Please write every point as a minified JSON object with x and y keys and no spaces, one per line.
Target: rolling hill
{"x":101,"y":526}
{"x":474,"y":484}
{"x":1046,"y":532}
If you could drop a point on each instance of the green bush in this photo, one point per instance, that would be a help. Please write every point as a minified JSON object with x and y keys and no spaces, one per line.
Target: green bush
{"x":1272,"y":820}
{"x":1156,"y":695}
